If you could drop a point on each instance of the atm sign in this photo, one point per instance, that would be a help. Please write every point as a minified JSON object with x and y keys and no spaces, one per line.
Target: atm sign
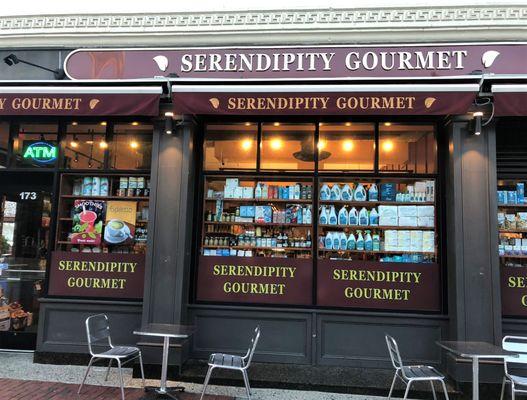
{"x":41,"y":152}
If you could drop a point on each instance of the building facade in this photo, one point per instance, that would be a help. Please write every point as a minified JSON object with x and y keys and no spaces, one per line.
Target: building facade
{"x":329,"y":175}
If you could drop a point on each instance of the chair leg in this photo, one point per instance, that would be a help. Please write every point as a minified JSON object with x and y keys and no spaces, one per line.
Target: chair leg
{"x":142,"y":369}
{"x":85,"y":375}
{"x":121,"y":380}
{"x":433,"y":390}
{"x":503,"y":388}
{"x":246,"y":381}
{"x":407,"y":389}
{"x":108,"y":370}
{"x":393,"y":386}
{"x":205,"y":384}
{"x":444,"y":389}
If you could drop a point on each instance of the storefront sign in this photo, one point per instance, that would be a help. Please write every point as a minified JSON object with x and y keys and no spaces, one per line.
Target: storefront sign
{"x":407,"y":103}
{"x":378,"y":285}
{"x":513,"y":291}
{"x":255,"y":280}
{"x":39,"y":151}
{"x":335,"y":62}
{"x":99,"y":104}
{"x":110,"y":275}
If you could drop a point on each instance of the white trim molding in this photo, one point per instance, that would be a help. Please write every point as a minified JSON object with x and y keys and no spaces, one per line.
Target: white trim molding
{"x":410,"y":24}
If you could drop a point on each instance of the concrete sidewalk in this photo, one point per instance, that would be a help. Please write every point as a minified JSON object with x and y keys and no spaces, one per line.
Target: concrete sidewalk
{"x":21,"y":366}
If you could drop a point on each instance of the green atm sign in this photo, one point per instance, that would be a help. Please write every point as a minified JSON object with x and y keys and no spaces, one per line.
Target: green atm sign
{"x":40,"y":152}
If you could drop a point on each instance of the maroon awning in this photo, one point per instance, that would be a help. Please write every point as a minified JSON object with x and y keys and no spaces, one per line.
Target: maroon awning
{"x":510,"y":100}
{"x":432,"y":99}
{"x":80,"y":100}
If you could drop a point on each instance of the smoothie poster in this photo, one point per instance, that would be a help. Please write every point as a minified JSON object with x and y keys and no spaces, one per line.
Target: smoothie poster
{"x":88,"y":217}
{"x":120,"y":222}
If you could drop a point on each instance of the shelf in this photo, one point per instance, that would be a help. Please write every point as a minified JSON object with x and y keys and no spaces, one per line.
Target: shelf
{"x":256,"y":224}
{"x":512,"y":230}
{"x":514,"y":256}
{"x":139,"y":221}
{"x":292,"y":201}
{"x":71,"y":196}
{"x":512,"y":205}
{"x":376,"y":252}
{"x":260,"y":248}
{"x":373,"y":227}
{"x":379,"y":202}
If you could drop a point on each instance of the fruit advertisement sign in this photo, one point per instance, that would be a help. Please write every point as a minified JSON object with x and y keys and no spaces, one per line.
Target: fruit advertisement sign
{"x":88,"y":217}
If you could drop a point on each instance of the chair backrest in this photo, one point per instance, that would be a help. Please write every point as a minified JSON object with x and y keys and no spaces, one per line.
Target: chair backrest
{"x":98,"y":332}
{"x":252,"y":346}
{"x":393,"y":349}
{"x":516,"y":344}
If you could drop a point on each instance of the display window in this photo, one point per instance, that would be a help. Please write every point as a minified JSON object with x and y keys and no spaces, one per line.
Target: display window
{"x":36,"y":146}
{"x":84,"y":146}
{"x":325,"y":238}
{"x":230,"y":147}
{"x":346,"y":146}
{"x":131,"y":146}
{"x":4,"y":143}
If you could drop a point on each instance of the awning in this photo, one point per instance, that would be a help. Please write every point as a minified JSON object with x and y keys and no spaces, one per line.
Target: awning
{"x":80,"y":100}
{"x":510,"y":100}
{"x":418,"y":99}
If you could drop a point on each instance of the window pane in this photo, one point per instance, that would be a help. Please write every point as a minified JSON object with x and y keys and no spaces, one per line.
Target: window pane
{"x":131,"y":147}
{"x":4,"y":141}
{"x":84,"y":146}
{"x":36,"y":146}
{"x":287,"y":146}
{"x":346,"y":146}
{"x":230,"y":146}
{"x":407,"y":148}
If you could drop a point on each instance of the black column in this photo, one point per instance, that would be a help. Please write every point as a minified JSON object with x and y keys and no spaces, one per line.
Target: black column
{"x":171,"y":212}
{"x":472,"y":243}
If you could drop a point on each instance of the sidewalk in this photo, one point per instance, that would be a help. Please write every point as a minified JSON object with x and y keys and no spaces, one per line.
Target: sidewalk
{"x":19,"y":367}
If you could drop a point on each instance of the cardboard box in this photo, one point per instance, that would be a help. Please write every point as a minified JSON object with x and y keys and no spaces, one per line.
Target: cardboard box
{"x":407,"y":211}
{"x":407,"y":221}
{"x":248,"y":192}
{"x":388,"y":211}
{"x":404,"y":240}
{"x":228,"y":192}
{"x":425,"y":211}
{"x":390,"y":240}
{"x":426,"y":222}
{"x":416,"y":241}
{"x":232,"y":182}
{"x":238,"y":192}
{"x":388,"y":221}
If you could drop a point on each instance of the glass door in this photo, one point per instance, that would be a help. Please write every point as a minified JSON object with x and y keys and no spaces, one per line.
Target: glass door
{"x":25,"y":216}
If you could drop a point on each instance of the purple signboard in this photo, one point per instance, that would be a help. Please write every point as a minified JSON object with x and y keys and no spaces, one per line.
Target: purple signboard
{"x":407,"y":103}
{"x":96,"y":104}
{"x":335,"y":62}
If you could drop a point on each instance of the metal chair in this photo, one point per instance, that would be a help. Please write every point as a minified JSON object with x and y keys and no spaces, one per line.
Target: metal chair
{"x":414,"y":373}
{"x":232,"y":362}
{"x":516,"y":344}
{"x":98,"y":333}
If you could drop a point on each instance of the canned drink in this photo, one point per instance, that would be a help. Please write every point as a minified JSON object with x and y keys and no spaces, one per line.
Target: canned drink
{"x":138,"y":192}
{"x":146,"y":192}
{"x":123,"y":182}
{"x":96,"y":186}
{"x":121,"y":192}
{"x":132,"y":182}
{"x":104,"y":186}
{"x":141,"y":182}
{"x":87,"y":186}
{"x":130,"y":192}
{"x":77,"y":187}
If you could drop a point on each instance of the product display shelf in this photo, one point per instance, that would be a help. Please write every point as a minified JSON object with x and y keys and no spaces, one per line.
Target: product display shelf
{"x":71,"y":196}
{"x":513,"y":256}
{"x":512,"y":230}
{"x":378,"y":202}
{"x":376,"y":252}
{"x":260,"y":248}
{"x":379,"y":227}
{"x":257,"y":224}
{"x":512,"y":205}
{"x":252,"y":200}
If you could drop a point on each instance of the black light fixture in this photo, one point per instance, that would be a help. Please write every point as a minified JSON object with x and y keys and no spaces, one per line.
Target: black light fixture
{"x":478,"y":115}
{"x":12,"y":59}
{"x":168,"y":122}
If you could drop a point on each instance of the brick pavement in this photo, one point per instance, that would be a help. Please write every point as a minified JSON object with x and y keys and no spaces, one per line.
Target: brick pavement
{"x":14,"y":389}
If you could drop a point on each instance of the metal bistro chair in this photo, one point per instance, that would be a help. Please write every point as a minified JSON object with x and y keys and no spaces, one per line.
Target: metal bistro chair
{"x":516,"y":344}
{"x":414,"y":373}
{"x":98,"y":333}
{"x":238,"y":363}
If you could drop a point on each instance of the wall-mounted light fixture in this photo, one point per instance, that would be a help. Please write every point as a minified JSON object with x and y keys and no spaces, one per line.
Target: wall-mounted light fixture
{"x":478,"y":115}
{"x":12,"y":59}
{"x":168,"y":122}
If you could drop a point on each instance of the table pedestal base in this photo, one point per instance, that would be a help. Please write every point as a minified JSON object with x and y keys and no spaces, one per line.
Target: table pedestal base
{"x":153,"y":392}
